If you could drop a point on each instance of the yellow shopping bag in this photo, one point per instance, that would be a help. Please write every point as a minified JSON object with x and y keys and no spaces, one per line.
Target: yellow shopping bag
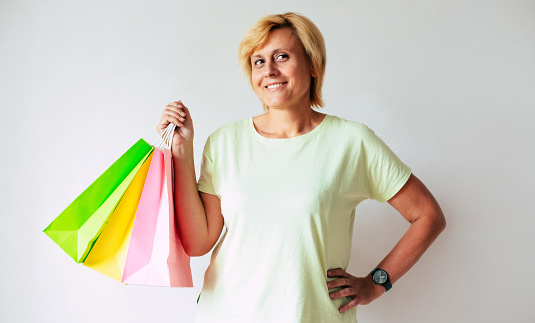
{"x":108,"y":255}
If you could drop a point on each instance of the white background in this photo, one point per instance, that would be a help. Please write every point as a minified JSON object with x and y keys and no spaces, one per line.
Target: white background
{"x":448,"y":85}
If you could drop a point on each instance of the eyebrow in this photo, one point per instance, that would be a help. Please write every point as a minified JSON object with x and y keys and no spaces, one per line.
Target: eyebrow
{"x":274,"y":51}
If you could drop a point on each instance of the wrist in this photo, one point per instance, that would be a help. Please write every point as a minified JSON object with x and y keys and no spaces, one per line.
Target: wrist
{"x":378,"y":290}
{"x":380,"y":277}
{"x":182,"y":151}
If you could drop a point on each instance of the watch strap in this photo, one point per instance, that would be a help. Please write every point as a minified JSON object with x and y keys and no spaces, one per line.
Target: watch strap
{"x":387,"y":285}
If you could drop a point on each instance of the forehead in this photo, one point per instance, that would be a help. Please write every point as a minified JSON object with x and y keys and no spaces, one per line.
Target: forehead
{"x":278,"y":39}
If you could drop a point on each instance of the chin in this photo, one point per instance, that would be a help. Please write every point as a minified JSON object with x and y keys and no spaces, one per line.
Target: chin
{"x":275,"y":103}
{"x":274,"y":106}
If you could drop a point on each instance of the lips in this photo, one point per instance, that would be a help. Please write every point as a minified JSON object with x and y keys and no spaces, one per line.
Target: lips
{"x":276,"y":85}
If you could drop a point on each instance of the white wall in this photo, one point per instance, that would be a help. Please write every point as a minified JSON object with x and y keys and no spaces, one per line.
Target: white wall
{"x":449,"y":85}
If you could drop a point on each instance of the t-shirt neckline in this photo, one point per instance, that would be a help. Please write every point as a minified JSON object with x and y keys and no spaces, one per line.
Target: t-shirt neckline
{"x":299,"y":138}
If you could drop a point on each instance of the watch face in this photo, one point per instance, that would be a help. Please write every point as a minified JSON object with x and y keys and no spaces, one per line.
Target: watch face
{"x":380,"y":276}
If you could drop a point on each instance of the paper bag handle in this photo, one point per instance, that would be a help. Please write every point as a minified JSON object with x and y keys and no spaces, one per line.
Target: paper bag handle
{"x":166,"y":138}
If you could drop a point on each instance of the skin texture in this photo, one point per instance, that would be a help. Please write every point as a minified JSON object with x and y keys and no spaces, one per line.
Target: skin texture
{"x":283,"y":61}
{"x":198,"y":215}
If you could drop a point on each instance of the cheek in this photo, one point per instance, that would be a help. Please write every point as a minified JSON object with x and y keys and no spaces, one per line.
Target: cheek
{"x":256,"y":79}
{"x":305,"y":78}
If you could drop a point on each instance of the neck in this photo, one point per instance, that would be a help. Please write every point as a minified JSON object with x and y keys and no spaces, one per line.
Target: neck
{"x":288,"y":123}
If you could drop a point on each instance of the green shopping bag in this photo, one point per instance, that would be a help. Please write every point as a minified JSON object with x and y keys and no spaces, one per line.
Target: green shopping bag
{"x":77,"y":228}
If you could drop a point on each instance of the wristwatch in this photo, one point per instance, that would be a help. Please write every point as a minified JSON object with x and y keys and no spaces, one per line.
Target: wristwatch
{"x":380,"y":277}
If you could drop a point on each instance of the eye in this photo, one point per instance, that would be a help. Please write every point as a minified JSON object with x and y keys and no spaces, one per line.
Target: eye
{"x":282,"y":57}
{"x":258,"y":62}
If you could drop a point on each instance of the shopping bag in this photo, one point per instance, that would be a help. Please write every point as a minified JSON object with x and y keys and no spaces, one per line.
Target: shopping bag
{"x":178,"y":260}
{"x":133,"y":237}
{"x":76,"y":229}
{"x":108,"y":255}
{"x":155,"y":255}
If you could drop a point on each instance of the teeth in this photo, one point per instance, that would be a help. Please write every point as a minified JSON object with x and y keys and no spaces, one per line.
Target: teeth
{"x":274,"y":86}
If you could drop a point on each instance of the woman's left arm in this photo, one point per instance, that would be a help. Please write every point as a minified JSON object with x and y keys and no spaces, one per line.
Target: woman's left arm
{"x":419,"y":207}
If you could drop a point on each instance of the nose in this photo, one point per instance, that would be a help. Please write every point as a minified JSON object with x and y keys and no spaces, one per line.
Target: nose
{"x":270,"y":69}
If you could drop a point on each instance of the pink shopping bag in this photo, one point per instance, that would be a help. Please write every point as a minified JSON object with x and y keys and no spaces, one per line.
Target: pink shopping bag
{"x":178,"y":260}
{"x":155,"y":254}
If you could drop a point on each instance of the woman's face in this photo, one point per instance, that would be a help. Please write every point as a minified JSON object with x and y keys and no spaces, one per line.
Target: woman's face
{"x":281,"y":73}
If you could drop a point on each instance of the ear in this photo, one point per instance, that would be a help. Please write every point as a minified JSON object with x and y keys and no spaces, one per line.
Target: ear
{"x":313,"y":71}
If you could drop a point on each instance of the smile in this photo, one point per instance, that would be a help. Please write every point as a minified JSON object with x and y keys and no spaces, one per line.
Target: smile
{"x":275,"y":85}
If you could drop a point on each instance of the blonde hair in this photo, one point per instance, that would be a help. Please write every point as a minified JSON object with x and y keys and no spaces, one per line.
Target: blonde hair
{"x":304,"y":30}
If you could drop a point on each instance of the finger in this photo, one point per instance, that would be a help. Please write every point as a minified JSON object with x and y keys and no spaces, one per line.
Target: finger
{"x":340,"y":282}
{"x":348,"y":306}
{"x":178,"y":110}
{"x":174,"y":114}
{"x":177,"y":106}
{"x":185,"y":110}
{"x":170,"y":119}
{"x":176,"y":103}
{"x":177,"y":122}
{"x":338,"y":272}
{"x":180,"y":104}
{"x":342,"y":293}
{"x":172,"y":106}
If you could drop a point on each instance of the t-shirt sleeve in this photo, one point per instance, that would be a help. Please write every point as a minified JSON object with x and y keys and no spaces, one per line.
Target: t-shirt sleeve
{"x":386,"y":173}
{"x":205,"y":183}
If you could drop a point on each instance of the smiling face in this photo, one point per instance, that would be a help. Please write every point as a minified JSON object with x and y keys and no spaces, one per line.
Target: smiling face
{"x":281,"y":73}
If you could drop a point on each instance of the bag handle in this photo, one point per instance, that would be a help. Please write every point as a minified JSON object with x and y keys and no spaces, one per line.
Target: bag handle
{"x":166,"y":138}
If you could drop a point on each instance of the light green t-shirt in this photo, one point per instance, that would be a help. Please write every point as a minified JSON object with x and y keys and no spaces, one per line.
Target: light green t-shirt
{"x":289,"y":206}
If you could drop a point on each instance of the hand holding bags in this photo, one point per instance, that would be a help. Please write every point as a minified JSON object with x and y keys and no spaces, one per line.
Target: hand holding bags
{"x":126,"y":219}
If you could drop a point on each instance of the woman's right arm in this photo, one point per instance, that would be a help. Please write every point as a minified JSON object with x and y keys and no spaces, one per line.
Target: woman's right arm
{"x":198,"y":214}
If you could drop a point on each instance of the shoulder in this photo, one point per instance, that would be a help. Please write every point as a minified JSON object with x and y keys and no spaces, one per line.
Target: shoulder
{"x":357,"y":136}
{"x":231,"y":129}
{"x":228,"y":135}
{"x":350,"y":129}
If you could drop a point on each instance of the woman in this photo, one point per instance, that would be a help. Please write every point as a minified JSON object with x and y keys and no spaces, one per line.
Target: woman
{"x":285,"y":184}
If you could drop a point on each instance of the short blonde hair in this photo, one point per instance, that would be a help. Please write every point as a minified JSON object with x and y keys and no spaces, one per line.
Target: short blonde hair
{"x":304,"y":30}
